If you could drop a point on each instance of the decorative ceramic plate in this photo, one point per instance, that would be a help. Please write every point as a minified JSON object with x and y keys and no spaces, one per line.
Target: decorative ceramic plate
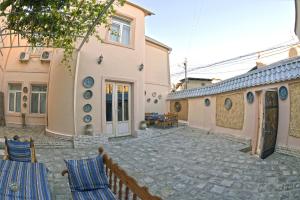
{"x":87,"y":108}
{"x":154,"y":94}
{"x":87,"y":118}
{"x":87,"y":94}
{"x":207,"y":102}
{"x":24,"y":98}
{"x":88,"y":82}
{"x":148,"y":100}
{"x":250,"y":97}
{"x":177,"y":106}
{"x":228,"y":104}
{"x":25,"y":89}
{"x":283,"y":93}
{"x":155,"y":101}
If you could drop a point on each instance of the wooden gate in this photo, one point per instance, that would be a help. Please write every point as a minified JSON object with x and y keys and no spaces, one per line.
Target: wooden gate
{"x":270,"y":123}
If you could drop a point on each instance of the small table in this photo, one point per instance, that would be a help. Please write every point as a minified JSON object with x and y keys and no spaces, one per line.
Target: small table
{"x":23,"y":180}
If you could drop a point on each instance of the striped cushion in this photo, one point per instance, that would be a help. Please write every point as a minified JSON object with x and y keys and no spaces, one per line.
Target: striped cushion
{"x":30,"y":178}
{"x":19,"y":151}
{"x":99,"y":194}
{"x":87,"y":174}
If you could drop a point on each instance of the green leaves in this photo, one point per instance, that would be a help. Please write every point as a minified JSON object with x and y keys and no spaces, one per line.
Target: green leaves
{"x":56,"y":23}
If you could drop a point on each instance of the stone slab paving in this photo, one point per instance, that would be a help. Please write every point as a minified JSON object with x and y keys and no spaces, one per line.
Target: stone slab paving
{"x":189,"y":164}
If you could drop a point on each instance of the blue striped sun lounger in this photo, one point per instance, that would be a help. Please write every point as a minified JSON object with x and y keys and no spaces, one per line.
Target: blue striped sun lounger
{"x":23,"y":181}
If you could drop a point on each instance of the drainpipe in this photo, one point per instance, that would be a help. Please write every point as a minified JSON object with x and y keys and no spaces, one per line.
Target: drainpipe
{"x":75,"y":91}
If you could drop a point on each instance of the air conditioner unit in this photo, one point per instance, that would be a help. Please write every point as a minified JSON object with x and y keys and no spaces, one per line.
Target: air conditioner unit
{"x":24,"y":56}
{"x":46,"y":56}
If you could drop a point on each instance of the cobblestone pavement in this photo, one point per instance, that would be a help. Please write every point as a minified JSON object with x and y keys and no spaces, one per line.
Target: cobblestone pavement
{"x":189,"y":164}
{"x":38,"y":135}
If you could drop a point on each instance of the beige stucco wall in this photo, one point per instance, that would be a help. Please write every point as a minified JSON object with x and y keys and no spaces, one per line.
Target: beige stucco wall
{"x":203,"y":117}
{"x":65,"y":90}
{"x":31,"y":72}
{"x":157,"y":77}
{"x":119,"y":64}
{"x":60,"y":96}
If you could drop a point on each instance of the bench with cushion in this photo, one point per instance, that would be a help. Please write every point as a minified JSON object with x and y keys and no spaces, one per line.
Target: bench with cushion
{"x":21,"y":151}
{"x":101,"y":179}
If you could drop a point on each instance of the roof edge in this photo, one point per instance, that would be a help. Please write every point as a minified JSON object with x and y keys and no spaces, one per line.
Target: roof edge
{"x":147,"y":12}
{"x":149,"y":39}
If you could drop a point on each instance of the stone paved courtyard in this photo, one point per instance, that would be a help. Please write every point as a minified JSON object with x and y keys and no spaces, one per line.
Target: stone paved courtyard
{"x":189,"y":164}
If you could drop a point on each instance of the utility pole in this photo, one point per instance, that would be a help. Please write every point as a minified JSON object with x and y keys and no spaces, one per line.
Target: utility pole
{"x":185,"y":72}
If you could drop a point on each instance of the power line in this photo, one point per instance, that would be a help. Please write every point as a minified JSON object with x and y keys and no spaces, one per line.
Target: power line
{"x":268,"y":54}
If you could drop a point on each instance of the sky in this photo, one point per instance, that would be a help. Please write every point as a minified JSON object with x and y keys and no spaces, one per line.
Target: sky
{"x":207,"y":31}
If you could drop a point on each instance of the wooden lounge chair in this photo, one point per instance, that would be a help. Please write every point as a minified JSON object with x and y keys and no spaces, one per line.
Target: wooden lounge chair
{"x":120,"y":184}
{"x":16,"y":150}
{"x":168,"y":120}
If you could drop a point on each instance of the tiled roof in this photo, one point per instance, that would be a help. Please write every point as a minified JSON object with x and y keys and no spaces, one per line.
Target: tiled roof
{"x":283,"y":70}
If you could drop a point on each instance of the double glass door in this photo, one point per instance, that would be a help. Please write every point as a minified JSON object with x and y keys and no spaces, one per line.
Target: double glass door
{"x":118,"y":103}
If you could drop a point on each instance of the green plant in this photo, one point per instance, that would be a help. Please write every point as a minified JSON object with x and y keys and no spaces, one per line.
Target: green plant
{"x":56,"y":23}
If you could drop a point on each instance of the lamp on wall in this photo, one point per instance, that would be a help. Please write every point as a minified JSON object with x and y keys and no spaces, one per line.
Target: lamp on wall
{"x":141,"y":67}
{"x":100,"y":59}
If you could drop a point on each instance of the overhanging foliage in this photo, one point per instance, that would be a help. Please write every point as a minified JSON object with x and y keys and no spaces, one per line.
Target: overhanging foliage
{"x":55,"y":23}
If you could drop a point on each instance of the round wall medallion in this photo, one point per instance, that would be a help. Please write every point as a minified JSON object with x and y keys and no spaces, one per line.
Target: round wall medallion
{"x":87,"y":94}
{"x":228,"y":104}
{"x":207,"y":102}
{"x":25,"y":89}
{"x":160,"y":96}
{"x":87,"y":108}
{"x":87,"y":118}
{"x":155,"y":101}
{"x":177,"y":106}
{"x":88,"y":82}
{"x":250,"y":97}
{"x":24,"y":98}
{"x":24,"y":105}
{"x":154,"y":94}
{"x":148,"y":100}
{"x":283,"y":93}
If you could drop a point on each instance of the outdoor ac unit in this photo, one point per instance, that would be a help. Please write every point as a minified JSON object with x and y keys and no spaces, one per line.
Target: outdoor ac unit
{"x":24,"y":56}
{"x":46,"y":56}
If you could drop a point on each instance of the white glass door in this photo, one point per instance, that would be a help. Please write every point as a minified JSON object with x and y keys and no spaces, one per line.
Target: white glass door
{"x":118,"y":109}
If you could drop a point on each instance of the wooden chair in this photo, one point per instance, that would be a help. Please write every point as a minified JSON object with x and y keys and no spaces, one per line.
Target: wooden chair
{"x":168,"y":120}
{"x":120,"y":183}
{"x":32,"y":150}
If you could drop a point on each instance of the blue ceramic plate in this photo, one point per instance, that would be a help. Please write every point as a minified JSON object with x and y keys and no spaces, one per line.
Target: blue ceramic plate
{"x":87,"y":94}
{"x":87,"y":108}
{"x":228,"y":103}
{"x":283,"y":93}
{"x":87,"y":118}
{"x":207,"y":102}
{"x":250,"y":97}
{"x":88,"y":82}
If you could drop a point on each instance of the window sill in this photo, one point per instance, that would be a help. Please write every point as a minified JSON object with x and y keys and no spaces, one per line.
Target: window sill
{"x":118,"y":44}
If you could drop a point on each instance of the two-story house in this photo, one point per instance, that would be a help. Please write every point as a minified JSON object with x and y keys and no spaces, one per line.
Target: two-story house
{"x":108,"y":88}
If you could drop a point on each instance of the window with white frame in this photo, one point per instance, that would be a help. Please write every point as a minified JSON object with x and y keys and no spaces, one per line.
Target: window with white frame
{"x":38,"y":99}
{"x":120,"y":31}
{"x":14,"y":97}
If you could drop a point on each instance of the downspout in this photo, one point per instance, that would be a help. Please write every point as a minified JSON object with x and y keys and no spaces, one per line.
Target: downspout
{"x":75,"y":91}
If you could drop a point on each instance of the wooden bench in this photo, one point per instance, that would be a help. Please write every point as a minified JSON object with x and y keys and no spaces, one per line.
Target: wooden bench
{"x":120,"y":183}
